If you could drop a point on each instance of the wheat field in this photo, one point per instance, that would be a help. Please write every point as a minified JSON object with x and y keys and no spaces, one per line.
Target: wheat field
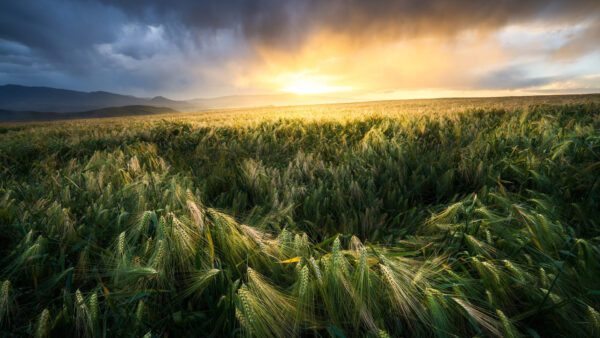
{"x":451,"y":217}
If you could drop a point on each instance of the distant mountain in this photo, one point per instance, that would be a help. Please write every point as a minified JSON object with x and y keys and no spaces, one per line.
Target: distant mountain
{"x":46,"y":99}
{"x":30,"y":116}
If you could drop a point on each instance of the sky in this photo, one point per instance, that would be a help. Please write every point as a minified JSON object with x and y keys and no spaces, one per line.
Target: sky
{"x":356,"y":49}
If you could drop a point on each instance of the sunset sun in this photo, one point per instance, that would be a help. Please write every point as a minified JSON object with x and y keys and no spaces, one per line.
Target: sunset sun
{"x":303,"y":84}
{"x":307,"y":87}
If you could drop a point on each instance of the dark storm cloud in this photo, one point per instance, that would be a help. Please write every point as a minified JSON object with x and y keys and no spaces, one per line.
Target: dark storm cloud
{"x":77,"y":44}
{"x":118,"y":43}
{"x":287,"y":22}
{"x":58,"y":30}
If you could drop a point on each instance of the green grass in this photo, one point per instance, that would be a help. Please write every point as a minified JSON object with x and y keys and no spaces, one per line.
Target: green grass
{"x":350,"y":220}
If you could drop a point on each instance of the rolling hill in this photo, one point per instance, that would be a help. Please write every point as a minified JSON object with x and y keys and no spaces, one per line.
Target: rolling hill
{"x":30,"y":116}
{"x":47,"y":99}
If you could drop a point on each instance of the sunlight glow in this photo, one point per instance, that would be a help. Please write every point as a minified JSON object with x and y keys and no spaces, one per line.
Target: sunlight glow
{"x":303,"y":83}
{"x":303,"y":88}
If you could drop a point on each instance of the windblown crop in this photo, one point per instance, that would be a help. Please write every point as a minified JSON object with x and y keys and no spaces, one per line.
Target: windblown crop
{"x":481,"y":222}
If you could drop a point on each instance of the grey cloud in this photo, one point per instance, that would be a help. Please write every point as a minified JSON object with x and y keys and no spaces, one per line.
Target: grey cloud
{"x":58,"y":30}
{"x":514,"y":77}
{"x":588,"y":41}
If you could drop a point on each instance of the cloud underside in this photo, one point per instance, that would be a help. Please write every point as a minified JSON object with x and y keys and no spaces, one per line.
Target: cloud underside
{"x":363,"y":48}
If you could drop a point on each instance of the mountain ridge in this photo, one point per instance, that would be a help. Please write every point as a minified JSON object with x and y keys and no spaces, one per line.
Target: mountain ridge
{"x":56,"y":100}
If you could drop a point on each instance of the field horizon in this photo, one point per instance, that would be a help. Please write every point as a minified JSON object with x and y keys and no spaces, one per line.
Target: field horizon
{"x":406,"y":105}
